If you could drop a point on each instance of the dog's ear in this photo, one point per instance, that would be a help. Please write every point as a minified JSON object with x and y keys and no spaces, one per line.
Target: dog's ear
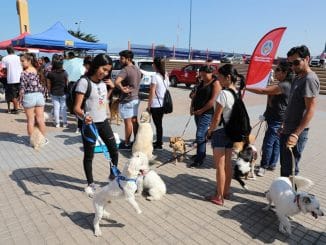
{"x":306,"y":200}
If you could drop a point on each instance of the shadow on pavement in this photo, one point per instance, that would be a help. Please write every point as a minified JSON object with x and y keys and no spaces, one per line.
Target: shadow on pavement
{"x":10,"y":137}
{"x":263,"y":225}
{"x":70,"y":140}
{"x":44,"y":176}
{"x":85,"y":220}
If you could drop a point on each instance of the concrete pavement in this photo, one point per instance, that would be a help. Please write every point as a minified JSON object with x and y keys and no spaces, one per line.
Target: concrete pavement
{"x":42,"y":199}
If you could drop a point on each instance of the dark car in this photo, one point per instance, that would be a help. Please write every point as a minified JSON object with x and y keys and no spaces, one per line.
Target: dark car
{"x":188,"y":74}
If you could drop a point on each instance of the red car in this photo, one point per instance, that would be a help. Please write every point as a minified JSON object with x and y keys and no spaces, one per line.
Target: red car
{"x":188,"y":74}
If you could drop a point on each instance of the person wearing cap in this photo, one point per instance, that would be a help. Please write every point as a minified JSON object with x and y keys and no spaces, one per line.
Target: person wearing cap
{"x":202,"y":107}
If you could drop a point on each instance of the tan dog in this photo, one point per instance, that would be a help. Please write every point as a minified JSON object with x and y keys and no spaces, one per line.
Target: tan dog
{"x":37,"y":139}
{"x":179,"y":148}
{"x":114,"y":110}
{"x":144,"y":138}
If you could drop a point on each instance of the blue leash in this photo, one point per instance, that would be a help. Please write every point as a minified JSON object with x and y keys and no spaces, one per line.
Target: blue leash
{"x":116,"y":172}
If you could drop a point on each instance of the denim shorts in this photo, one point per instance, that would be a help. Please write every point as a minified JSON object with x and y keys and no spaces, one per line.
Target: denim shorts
{"x":220,"y":140}
{"x":129,"y":110}
{"x":33,"y":100}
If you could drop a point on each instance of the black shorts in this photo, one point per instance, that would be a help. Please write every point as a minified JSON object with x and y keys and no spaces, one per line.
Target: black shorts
{"x":12,"y":91}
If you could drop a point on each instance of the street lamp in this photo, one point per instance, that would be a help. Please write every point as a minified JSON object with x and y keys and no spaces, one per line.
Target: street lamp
{"x":190,"y":15}
{"x":78,"y":23}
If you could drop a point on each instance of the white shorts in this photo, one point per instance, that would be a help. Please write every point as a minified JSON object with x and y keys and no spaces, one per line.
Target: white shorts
{"x":129,"y":110}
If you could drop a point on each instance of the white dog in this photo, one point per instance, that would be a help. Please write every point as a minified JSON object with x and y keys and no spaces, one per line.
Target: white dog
{"x":152,"y":182}
{"x":124,"y":186}
{"x":288,"y":203}
{"x":144,"y":137}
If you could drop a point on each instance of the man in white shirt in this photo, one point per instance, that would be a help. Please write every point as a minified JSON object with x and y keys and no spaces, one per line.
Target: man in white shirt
{"x":14,"y":69}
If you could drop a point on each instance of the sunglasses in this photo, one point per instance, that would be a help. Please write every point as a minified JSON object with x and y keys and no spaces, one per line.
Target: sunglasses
{"x":296,"y":62}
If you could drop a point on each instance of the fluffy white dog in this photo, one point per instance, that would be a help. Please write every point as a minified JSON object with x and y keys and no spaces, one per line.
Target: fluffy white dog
{"x":151,"y":181}
{"x":124,"y":186}
{"x":288,"y":202}
{"x":144,"y":137}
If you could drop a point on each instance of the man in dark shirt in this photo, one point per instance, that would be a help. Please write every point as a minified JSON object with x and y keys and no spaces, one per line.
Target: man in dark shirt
{"x":300,"y":110}
{"x":128,"y":81}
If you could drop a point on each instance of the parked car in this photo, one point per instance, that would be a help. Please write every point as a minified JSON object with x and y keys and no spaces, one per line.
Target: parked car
{"x":188,"y":74}
{"x":315,"y":61}
{"x":247,"y":59}
{"x":146,"y":69}
{"x":232,"y":58}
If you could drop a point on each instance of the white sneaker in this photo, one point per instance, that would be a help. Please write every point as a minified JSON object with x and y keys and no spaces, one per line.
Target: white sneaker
{"x":57,"y":125}
{"x":65,"y":125}
{"x":90,"y":190}
{"x":77,"y":131}
{"x":261,"y":172}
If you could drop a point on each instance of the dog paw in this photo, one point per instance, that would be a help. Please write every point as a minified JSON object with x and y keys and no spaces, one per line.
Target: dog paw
{"x":98,"y":232}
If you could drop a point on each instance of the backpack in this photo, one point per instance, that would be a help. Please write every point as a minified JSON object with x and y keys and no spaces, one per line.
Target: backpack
{"x":238,"y":127}
{"x":167,"y":101}
{"x":71,"y":94}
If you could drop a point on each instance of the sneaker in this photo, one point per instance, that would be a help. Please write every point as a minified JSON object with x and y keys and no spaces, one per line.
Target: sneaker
{"x":125,"y":146}
{"x":77,"y":131}
{"x":270,"y":168}
{"x":261,"y":172}
{"x":157,"y":147}
{"x":65,"y":125}
{"x":57,"y":125}
{"x":90,"y":190}
{"x":195,"y":165}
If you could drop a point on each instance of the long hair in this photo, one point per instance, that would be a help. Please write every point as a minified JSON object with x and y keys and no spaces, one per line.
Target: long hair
{"x":99,"y":60}
{"x":227,"y":70}
{"x":159,"y":66}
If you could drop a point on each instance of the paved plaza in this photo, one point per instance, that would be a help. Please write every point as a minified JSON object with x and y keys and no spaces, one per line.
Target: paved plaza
{"x":42,"y":199}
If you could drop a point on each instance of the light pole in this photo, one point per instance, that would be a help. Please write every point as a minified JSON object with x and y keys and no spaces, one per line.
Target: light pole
{"x":78,"y":23}
{"x":190,"y":16}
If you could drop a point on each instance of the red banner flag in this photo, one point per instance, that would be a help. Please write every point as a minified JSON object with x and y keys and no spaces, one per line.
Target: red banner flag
{"x":262,"y":58}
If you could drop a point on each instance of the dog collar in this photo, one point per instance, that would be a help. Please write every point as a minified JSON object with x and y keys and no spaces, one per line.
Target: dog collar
{"x":123,"y":178}
{"x":297,"y":200}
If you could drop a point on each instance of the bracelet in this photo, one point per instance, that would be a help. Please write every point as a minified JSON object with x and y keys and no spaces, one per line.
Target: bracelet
{"x":295,"y":136}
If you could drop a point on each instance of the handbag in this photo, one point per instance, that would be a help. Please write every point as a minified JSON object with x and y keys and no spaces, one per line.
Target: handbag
{"x":167,"y":101}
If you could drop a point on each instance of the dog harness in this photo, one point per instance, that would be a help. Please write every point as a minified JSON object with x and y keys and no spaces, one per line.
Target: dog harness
{"x":120,"y":178}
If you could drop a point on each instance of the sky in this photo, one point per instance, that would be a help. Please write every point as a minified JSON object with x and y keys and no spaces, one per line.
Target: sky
{"x":218,"y":25}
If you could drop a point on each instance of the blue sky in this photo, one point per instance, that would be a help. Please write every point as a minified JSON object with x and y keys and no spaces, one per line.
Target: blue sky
{"x":228,"y":25}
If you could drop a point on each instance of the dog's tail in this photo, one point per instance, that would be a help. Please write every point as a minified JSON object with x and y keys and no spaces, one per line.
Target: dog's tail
{"x":301,"y":182}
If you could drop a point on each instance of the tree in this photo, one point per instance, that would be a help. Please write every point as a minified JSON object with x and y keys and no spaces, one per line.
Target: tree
{"x":86,"y":37}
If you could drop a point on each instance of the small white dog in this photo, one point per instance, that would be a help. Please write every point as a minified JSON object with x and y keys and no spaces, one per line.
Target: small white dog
{"x":144,"y":137}
{"x":151,"y":181}
{"x":288,"y":203}
{"x":124,"y":186}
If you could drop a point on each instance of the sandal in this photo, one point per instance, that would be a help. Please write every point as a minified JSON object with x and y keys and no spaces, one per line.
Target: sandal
{"x":217,"y":201}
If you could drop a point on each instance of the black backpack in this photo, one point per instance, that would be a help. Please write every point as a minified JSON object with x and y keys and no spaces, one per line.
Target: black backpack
{"x":238,"y":127}
{"x":167,"y":101}
{"x":71,"y":94}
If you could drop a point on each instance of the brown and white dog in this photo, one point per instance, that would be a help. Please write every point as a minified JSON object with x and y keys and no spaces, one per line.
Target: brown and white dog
{"x":244,"y":158}
{"x":114,"y":110}
{"x":179,"y":148}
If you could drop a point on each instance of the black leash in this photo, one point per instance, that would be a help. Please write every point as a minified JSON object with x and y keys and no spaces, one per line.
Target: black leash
{"x":186,"y":126}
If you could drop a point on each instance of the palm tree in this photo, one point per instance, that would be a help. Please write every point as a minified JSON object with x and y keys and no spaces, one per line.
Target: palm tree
{"x":86,"y":37}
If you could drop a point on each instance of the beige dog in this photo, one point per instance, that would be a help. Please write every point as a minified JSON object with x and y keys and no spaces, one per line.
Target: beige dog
{"x":37,"y":139}
{"x":114,"y":110}
{"x":144,"y":137}
{"x":179,"y":148}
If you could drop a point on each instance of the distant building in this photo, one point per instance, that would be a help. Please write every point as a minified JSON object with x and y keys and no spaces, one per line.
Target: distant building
{"x":22,"y":11}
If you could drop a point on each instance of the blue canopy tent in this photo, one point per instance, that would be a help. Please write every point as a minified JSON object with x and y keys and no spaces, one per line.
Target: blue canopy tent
{"x":57,"y":37}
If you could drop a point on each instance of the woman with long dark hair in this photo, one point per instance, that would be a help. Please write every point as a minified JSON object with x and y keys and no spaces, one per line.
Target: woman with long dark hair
{"x":221,"y":143}
{"x":278,"y":96}
{"x":159,"y":85}
{"x":31,"y":94}
{"x":94,"y":110}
